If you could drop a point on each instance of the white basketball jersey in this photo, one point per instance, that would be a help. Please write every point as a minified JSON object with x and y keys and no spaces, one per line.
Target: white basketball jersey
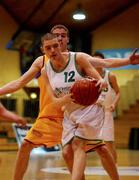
{"x":62,"y":81}
{"x":106,"y":97}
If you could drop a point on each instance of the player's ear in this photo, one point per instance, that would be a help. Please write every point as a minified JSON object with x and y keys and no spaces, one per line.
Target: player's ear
{"x":42,"y":50}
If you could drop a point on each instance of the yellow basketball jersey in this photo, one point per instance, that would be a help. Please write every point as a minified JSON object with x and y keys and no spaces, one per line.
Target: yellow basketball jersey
{"x":47,"y":109}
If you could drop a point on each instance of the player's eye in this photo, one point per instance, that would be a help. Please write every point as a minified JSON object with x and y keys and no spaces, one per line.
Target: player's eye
{"x":55,"y":45}
{"x":63,"y":35}
{"x":48,"y":48}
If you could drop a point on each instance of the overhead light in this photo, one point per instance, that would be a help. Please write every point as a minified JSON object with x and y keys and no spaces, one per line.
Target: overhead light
{"x":8,"y":95}
{"x":79,"y":14}
{"x":33,"y":95}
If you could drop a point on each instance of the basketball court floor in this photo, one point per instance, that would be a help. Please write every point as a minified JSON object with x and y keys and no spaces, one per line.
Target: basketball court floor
{"x":50,"y":166}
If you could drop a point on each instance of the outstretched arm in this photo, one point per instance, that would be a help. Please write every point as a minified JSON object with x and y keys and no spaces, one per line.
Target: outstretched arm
{"x":7,"y":116}
{"x":115,"y":62}
{"x":24,"y":79}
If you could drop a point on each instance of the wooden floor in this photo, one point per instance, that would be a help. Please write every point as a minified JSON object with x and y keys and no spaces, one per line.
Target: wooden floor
{"x":126,"y":158}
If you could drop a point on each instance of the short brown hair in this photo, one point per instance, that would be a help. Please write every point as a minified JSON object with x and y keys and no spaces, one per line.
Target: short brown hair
{"x":48,"y":36}
{"x":60,"y":26}
{"x":99,"y":54}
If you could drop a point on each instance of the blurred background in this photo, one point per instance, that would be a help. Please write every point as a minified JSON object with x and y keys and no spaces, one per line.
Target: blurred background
{"x":110,"y":26}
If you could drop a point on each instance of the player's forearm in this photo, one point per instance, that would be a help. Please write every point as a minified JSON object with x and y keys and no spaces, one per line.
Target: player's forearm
{"x":110,"y":62}
{"x":94,"y":75}
{"x":113,"y":63}
{"x":92,"y":72}
{"x":11,"y":87}
{"x":8,"y":116}
{"x":63,"y":100}
{"x":116,"y":100}
{"x":20,"y":82}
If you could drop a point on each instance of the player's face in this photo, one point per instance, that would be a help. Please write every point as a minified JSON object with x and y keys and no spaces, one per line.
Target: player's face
{"x":62,"y":38}
{"x":51,"y":48}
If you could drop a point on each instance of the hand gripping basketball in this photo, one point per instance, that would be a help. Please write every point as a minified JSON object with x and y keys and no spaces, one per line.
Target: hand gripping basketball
{"x":85,"y":92}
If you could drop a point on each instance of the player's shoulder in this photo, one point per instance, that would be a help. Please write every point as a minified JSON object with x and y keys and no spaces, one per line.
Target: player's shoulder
{"x":81,"y":57}
{"x":39,"y":61}
{"x":111,"y":74}
{"x":81,"y":54}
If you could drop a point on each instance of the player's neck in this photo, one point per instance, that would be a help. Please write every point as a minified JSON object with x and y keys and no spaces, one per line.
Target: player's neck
{"x":60,"y":63}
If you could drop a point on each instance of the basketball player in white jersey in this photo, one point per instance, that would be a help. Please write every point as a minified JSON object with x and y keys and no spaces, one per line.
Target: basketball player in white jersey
{"x":62,"y":34}
{"x":109,"y":101}
{"x":62,"y":71}
{"x":82,"y":125}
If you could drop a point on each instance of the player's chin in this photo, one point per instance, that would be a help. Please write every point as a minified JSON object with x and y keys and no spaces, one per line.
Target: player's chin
{"x":53,"y":57}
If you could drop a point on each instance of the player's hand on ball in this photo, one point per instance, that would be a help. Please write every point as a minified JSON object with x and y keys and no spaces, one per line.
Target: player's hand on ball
{"x":102,"y":84}
{"x":68,"y":98}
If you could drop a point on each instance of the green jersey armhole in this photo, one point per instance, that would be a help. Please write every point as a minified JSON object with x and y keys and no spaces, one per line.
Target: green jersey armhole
{"x":76,"y":66}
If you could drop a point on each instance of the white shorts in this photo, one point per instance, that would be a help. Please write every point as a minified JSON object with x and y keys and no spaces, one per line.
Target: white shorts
{"x":85,"y":123}
{"x":108,"y":127}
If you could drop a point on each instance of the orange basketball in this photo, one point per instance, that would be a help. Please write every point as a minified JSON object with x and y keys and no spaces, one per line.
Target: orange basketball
{"x":85,"y":91}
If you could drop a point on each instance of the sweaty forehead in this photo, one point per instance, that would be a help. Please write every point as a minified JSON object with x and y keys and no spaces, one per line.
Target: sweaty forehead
{"x":50,"y":42}
{"x":59,"y":31}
